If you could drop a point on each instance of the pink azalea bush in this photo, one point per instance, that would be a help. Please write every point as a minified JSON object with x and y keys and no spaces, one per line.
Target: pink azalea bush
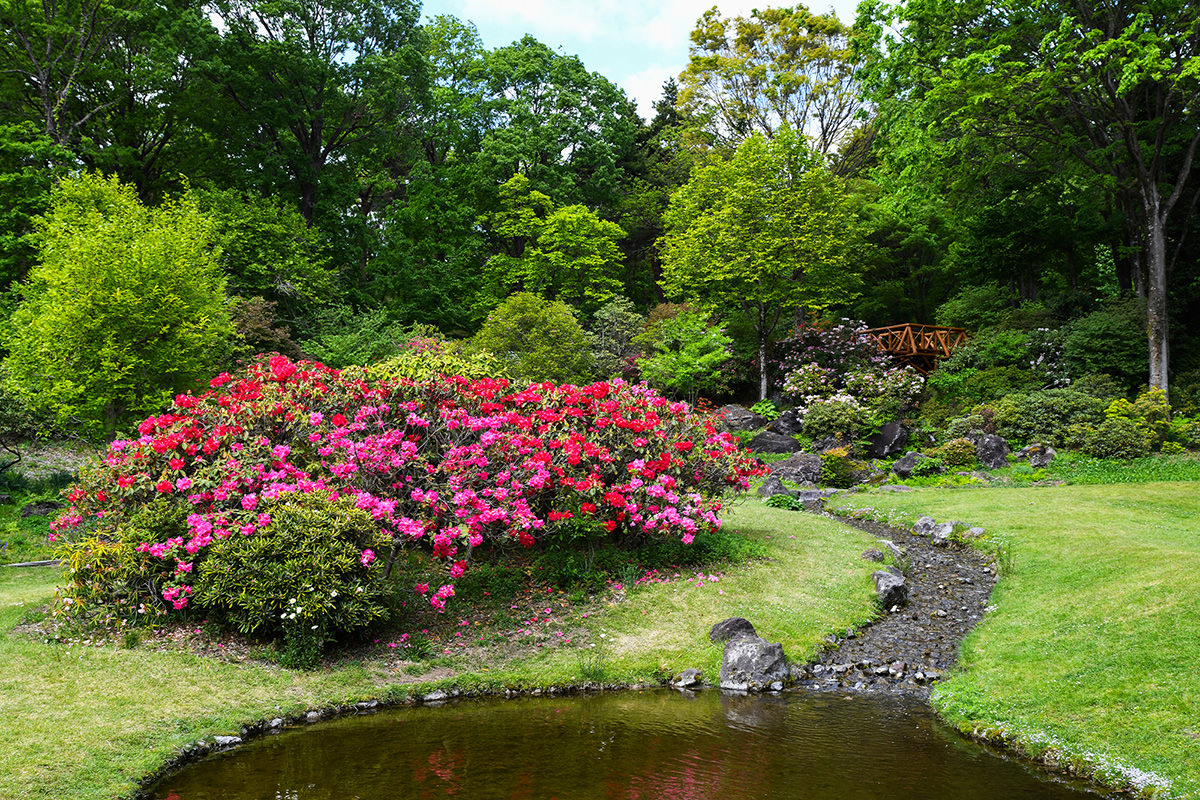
{"x":441,"y":467}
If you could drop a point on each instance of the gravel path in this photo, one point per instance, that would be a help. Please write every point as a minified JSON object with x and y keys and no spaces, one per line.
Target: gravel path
{"x":906,"y":651}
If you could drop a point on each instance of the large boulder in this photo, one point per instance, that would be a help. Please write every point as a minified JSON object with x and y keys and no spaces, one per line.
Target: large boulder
{"x":990,"y":450}
{"x":1039,"y":456}
{"x":801,"y":468}
{"x":891,"y":439}
{"x":727,"y":629}
{"x":752,"y":664}
{"x":787,"y":423}
{"x":771,"y":442}
{"x":890,"y":587}
{"x":738,"y":418}
{"x":40,"y":509}
{"x":773,"y":486}
{"x":904,"y":466}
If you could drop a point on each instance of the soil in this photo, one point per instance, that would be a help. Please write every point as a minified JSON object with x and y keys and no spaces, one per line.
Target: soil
{"x":907,"y":650}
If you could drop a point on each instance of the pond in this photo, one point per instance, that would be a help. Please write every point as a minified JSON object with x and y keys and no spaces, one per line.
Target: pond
{"x":651,"y":745}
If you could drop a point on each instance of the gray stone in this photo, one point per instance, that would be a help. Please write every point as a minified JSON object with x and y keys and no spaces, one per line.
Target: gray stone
{"x":277,"y":722}
{"x":435,"y":696}
{"x":752,"y":664}
{"x":40,"y":508}
{"x":787,"y":423}
{"x":893,"y":487}
{"x":975,"y":532}
{"x":896,"y":551}
{"x":828,"y":443}
{"x":924,"y":526}
{"x":771,"y":442}
{"x":313,"y":716}
{"x":1039,"y":456}
{"x":941,"y":534}
{"x":5,"y":499}
{"x":872,"y":555}
{"x":737,"y":418}
{"x":890,"y":587}
{"x":227,"y":741}
{"x":904,"y":466}
{"x":800,"y":468}
{"x":990,"y":450}
{"x":689,"y":677}
{"x":727,"y":629}
{"x":891,"y":439}
{"x":773,"y":486}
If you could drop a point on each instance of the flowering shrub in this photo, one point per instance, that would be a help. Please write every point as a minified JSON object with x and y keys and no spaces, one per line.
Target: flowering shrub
{"x":440,"y":466}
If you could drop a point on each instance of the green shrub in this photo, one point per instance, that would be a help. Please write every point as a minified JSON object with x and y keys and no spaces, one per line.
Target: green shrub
{"x":345,"y":338}
{"x":766,"y":409}
{"x":840,"y":416}
{"x":927,"y":467}
{"x":1173,"y":448}
{"x":537,"y":340}
{"x":1111,"y":340}
{"x":427,"y":357}
{"x":976,"y":307}
{"x":614,"y":327}
{"x":1100,"y":385}
{"x":305,"y":578}
{"x":1150,"y":412}
{"x":1117,"y":437}
{"x":958,"y":452}
{"x":784,"y":501}
{"x":685,"y":354}
{"x":1044,"y":416}
{"x":838,"y":469}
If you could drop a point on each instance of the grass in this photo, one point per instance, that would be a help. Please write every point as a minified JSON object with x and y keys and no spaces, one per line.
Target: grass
{"x":87,"y":722}
{"x":1090,"y":653}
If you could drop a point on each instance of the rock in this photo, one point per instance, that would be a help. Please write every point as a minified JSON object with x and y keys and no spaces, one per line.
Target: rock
{"x":891,"y":439}
{"x":771,"y":442}
{"x":890,"y":587}
{"x":828,"y":443}
{"x":896,"y":551}
{"x":872,"y":555}
{"x":800,"y":468}
{"x":752,"y":664}
{"x":727,"y":629}
{"x":40,"y":508}
{"x":990,"y":450}
{"x":313,"y":716}
{"x":941,"y":534}
{"x":689,"y":677}
{"x":5,"y":499}
{"x":904,"y":466}
{"x":227,"y":741}
{"x":435,"y":696}
{"x":924,"y":526}
{"x":893,"y":487}
{"x":975,"y":532}
{"x":1039,"y":456}
{"x":277,"y":722}
{"x":738,"y":418}
{"x":787,"y":423}
{"x":773,"y":486}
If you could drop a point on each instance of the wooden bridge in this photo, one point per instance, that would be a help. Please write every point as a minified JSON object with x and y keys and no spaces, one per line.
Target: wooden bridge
{"x":919,"y":346}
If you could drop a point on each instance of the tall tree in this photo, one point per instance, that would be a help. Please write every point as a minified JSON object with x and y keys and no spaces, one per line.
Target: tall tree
{"x":769,"y":231}
{"x":1109,"y":83}
{"x":777,"y":67}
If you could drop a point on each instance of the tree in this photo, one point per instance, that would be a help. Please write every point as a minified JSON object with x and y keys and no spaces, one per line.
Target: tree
{"x":126,"y":308}
{"x":1112,"y":85}
{"x":562,"y":253}
{"x":685,"y":355}
{"x":779,"y":67}
{"x":769,"y":232}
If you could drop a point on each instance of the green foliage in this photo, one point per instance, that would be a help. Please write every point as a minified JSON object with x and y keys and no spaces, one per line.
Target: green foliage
{"x":838,"y":469}
{"x":1044,"y":416}
{"x":928,"y":467}
{"x":784,"y":501}
{"x":976,"y":307}
{"x":537,"y":340}
{"x":259,"y":329}
{"x":1150,"y":413}
{"x":27,"y":169}
{"x":126,"y":309}
{"x":301,"y":578}
{"x":614,"y":327}
{"x":344,"y":338}
{"x":426,"y":357}
{"x":685,"y":355}
{"x":958,"y":453}
{"x":1117,"y":437}
{"x":766,"y":409}
{"x":1111,"y":340}
{"x":840,"y":416}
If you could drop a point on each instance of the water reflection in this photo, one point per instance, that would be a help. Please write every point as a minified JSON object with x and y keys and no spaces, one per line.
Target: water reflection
{"x":628,"y":746}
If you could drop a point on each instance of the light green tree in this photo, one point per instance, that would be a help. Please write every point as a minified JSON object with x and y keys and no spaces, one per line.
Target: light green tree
{"x":685,"y":355}
{"x":769,"y":232}
{"x":126,"y":308}
{"x":537,"y":340}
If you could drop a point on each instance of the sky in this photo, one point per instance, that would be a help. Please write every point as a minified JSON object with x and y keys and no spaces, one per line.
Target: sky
{"x":635,"y":45}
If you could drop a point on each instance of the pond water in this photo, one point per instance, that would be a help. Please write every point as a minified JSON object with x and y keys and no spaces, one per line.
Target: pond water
{"x":653,"y":745}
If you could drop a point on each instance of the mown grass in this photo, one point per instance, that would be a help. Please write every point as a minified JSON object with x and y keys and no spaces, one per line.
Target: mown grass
{"x":1092,"y":647}
{"x":85,"y":722}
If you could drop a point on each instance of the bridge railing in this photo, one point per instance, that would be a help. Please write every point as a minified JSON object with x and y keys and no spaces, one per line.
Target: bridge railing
{"x":918,"y":345}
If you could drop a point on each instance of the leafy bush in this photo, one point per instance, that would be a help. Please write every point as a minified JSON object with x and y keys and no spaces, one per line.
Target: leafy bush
{"x":838,"y":469}
{"x":308,"y":576}
{"x":976,"y":307}
{"x":961,"y":426}
{"x":345,"y":338}
{"x":841,"y":416}
{"x":537,"y":340}
{"x":1150,"y":413}
{"x":1044,"y":416}
{"x":615,"y":326}
{"x":426,"y":357}
{"x":784,"y":501}
{"x":1117,"y":437}
{"x":958,"y":452}
{"x":766,"y":409}
{"x":928,"y":467}
{"x":1111,"y":340}
{"x":685,"y":355}
{"x":441,"y":467}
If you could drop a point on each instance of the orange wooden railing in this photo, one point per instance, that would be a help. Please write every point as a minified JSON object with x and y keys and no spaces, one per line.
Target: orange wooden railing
{"x":919,"y":346}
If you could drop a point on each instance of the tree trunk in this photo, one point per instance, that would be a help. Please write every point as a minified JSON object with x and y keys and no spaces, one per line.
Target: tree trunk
{"x":762,"y":365}
{"x":1156,"y":290}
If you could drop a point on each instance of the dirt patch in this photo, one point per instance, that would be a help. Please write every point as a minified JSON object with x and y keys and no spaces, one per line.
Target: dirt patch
{"x":907,"y":651}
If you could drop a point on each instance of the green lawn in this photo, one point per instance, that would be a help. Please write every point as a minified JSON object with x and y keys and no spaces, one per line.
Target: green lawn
{"x":1093,"y":647}
{"x":86,"y":722}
